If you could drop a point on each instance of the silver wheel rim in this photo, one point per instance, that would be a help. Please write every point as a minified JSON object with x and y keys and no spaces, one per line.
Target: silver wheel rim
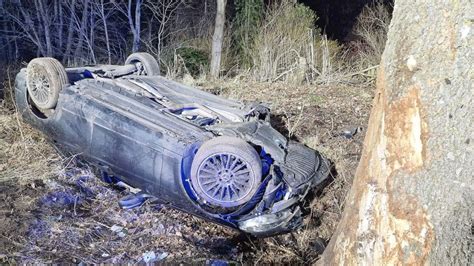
{"x":39,"y":86}
{"x":225,"y":179}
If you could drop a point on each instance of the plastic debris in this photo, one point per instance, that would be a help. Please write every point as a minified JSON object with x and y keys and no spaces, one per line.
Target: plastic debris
{"x":133,"y":200}
{"x":151,"y":256}
{"x":119,"y":230}
{"x":162,"y":256}
{"x":350,"y":133}
{"x":219,"y":262}
{"x":115,"y":228}
{"x":128,"y":187}
{"x":61,"y":199}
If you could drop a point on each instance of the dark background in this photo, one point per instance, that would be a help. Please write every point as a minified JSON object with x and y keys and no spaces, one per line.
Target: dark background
{"x":336,"y":17}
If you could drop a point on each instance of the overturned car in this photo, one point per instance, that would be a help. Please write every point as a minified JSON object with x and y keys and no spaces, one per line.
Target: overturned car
{"x":208,"y":156}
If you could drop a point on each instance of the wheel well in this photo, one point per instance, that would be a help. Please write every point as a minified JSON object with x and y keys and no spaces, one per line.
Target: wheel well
{"x":35,"y":110}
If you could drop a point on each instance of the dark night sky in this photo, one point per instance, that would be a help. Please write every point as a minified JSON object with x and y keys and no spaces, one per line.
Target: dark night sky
{"x":336,"y":17}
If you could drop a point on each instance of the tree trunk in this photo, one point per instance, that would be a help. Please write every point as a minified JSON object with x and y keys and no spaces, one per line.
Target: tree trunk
{"x":92,"y":34}
{"x":138,"y":21}
{"x":106,"y":31}
{"x":82,"y":29}
{"x":43,"y":18}
{"x":70,"y":31}
{"x":60,"y":28}
{"x":218,"y":39}
{"x":412,"y":197}
{"x":135,"y":25}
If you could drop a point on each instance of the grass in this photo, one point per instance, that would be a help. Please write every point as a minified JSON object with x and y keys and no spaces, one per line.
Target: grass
{"x":25,"y":154}
{"x":371,"y":30}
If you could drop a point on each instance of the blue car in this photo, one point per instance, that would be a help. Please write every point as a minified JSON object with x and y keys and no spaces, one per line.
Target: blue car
{"x":209,"y":156}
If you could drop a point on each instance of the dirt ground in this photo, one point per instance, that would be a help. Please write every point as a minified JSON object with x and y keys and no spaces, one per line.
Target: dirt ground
{"x":54,"y":209}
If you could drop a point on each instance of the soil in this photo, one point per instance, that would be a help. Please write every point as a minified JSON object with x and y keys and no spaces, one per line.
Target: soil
{"x":67,"y":215}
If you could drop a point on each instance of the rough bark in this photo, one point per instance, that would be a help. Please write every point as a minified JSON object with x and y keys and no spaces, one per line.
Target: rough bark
{"x":218,"y":39}
{"x":412,"y":197}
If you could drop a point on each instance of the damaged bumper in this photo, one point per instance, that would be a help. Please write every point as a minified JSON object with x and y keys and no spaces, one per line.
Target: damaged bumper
{"x":278,"y":204}
{"x":272,"y":223}
{"x":291,"y":171}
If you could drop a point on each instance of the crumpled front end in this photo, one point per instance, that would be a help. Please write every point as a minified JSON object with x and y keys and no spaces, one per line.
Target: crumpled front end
{"x":290,"y":171}
{"x":279,"y":208}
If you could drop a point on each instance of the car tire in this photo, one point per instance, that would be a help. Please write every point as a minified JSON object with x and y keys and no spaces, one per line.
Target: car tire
{"x":226,"y":172}
{"x":149,"y":63}
{"x":45,"y":78}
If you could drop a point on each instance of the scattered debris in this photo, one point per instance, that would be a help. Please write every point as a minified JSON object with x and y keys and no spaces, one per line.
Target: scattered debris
{"x":162,"y":256}
{"x":150,"y":256}
{"x":218,"y":262}
{"x":116,"y":228}
{"x":350,"y":133}
{"x":133,"y":200}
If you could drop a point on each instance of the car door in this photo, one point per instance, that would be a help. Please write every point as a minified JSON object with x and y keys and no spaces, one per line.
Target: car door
{"x":124,"y":145}
{"x":68,"y":127}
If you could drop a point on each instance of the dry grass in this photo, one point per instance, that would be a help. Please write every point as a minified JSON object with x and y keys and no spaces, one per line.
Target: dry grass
{"x":24,"y":153}
{"x":371,"y":28}
{"x":282,"y":48}
{"x":288,"y":48}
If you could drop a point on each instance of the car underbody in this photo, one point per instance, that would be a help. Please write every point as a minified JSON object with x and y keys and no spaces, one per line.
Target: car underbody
{"x":148,"y":131}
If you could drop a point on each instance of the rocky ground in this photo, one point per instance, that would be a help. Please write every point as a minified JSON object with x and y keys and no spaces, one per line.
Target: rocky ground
{"x":54,"y":209}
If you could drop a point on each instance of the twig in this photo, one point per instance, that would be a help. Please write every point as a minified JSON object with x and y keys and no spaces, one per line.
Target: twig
{"x":290,"y":133}
{"x":75,"y":203}
{"x":362,"y":71}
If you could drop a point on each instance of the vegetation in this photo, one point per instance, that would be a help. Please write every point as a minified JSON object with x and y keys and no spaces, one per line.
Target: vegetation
{"x":248,"y":17}
{"x":195,"y":60}
{"x":279,"y":42}
{"x":283,"y":45}
{"x":371,"y":30}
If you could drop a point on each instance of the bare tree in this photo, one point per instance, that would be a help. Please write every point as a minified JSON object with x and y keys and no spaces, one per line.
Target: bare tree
{"x":89,"y":31}
{"x":28,"y":25}
{"x":135,"y":27}
{"x":412,"y":199}
{"x":163,"y":11}
{"x":5,"y":43}
{"x":81,"y":28}
{"x":103,"y":14}
{"x":70,"y":31}
{"x":218,"y":38}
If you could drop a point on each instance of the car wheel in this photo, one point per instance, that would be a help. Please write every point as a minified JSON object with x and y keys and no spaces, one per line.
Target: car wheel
{"x":45,"y":79}
{"x":226,"y":172}
{"x":148,"y":64}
